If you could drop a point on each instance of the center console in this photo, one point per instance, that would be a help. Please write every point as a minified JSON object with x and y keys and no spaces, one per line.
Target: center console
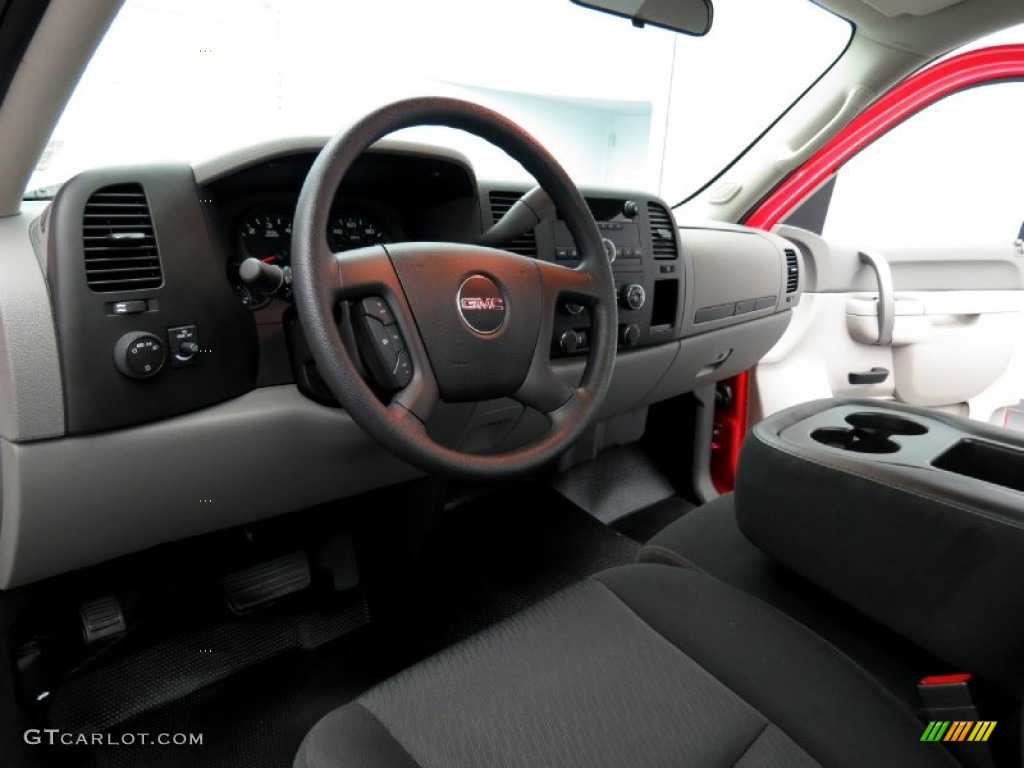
{"x":913,"y":517}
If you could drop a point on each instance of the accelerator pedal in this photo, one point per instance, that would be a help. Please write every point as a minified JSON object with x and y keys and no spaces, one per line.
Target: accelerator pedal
{"x":254,"y":587}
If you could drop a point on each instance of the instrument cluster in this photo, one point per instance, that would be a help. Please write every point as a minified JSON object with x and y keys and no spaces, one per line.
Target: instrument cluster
{"x":264,"y":232}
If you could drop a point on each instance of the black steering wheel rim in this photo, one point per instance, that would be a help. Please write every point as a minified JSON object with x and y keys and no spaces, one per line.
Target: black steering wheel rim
{"x":322,"y":279}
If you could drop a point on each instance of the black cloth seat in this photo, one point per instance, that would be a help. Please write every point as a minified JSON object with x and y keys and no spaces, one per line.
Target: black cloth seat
{"x":709,"y":539}
{"x":644,"y":665}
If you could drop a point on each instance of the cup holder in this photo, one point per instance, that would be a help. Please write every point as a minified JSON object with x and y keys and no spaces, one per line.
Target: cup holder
{"x":869,"y":432}
{"x":885,"y":423}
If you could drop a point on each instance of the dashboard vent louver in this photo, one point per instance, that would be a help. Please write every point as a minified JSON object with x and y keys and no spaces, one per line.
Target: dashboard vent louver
{"x":663,"y":232}
{"x":500,"y":204}
{"x":792,"y":271}
{"x":118,"y":241}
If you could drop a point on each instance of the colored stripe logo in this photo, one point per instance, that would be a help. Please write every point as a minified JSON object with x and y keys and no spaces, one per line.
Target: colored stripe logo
{"x":958,"y":730}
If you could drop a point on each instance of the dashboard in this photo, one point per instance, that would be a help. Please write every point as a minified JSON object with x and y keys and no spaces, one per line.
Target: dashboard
{"x":146,"y":354}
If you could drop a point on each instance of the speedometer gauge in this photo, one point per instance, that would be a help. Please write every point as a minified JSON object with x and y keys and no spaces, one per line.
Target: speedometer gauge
{"x":267,"y":235}
{"x":348,"y":230}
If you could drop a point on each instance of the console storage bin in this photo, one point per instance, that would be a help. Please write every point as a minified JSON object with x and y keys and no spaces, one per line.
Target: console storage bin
{"x":913,"y":517}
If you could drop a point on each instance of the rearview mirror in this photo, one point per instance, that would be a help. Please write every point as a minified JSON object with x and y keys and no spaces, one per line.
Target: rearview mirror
{"x":691,"y":17}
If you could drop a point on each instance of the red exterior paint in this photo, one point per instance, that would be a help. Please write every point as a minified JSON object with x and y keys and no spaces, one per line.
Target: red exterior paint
{"x":960,"y":677}
{"x":1002,"y":62}
{"x":730,"y":427}
{"x":911,"y":95}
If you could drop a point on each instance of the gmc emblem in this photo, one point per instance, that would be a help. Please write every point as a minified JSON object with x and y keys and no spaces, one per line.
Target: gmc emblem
{"x":482,"y":304}
{"x":486,"y":304}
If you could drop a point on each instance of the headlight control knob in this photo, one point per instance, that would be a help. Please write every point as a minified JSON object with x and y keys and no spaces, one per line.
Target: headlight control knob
{"x":140,"y":355}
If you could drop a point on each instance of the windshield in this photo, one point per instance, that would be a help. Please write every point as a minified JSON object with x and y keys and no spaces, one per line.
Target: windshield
{"x":186,"y":80}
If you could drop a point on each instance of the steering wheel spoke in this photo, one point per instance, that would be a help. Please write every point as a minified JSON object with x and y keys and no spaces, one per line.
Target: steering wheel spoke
{"x":364,"y":272}
{"x":542,"y":389}
{"x":567,"y":283}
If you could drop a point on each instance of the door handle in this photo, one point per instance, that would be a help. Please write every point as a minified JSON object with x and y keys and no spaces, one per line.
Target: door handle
{"x":886,"y":296}
{"x":874,"y":376}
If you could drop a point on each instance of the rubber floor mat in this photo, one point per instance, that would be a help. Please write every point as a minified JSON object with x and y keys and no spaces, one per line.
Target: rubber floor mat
{"x":488,"y":559}
{"x":618,"y":482}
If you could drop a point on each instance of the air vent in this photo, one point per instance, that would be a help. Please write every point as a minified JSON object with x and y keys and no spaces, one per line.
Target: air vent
{"x":500,"y":204}
{"x":663,"y":232}
{"x":792,"y":271}
{"x":118,"y":241}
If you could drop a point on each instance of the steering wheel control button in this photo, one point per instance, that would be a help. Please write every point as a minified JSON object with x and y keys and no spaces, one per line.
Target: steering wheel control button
{"x":383,"y":342}
{"x":383,"y":348}
{"x":139,"y":355}
{"x":377,"y":308}
{"x":396,"y":338}
{"x":481,"y":304}
{"x":184,"y":344}
{"x":403,"y":370}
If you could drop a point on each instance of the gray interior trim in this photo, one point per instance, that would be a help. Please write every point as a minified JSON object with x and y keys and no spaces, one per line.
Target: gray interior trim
{"x":636,"y":373}
{"x":128,"y":490}
{"x":886,"y":295}
{"x":717,"y":355}
{"x":733,"y":265}
{"x":31,"y":396}
{"x":931,"y":33}
{"x":833,"y":268}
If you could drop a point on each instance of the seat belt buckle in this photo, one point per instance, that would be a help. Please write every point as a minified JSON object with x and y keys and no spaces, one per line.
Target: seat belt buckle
{"x":947,"y":698}
{"x":953,"y":718}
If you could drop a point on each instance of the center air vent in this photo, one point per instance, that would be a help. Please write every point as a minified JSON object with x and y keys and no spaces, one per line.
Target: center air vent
{"x":500,"y":204}
{"x":792,"y":271}
{"x":118,"y":241}
{"x":663,"y":232}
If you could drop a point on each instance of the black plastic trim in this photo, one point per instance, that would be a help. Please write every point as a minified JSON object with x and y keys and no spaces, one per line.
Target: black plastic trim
{"x":194,"y":292}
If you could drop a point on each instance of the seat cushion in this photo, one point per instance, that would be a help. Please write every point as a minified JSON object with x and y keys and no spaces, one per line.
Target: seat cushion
{"x":645,"y":665}
{"x":709,"y":539}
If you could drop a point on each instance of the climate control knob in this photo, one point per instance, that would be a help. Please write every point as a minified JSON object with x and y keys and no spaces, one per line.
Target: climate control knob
{"x":569,"y":342}
{"x":140,"y":355}
{"x":633,"y":296}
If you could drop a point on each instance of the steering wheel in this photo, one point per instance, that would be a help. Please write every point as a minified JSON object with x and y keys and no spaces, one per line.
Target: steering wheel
{"x":476,"y":323}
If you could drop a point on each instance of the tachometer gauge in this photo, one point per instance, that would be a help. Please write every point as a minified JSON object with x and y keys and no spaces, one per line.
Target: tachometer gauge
{"x":267,"y":235}
{"x":348,"y":230}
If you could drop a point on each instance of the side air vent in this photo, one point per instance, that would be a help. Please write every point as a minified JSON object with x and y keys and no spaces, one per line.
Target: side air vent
{"x":118,"y":241}
{"x":500,"y":204}
{"x":663,"y":232}
{"x":792,"y":271}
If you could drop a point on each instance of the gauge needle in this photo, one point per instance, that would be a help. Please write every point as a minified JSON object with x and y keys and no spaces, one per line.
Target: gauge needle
{"x":268,"y":259}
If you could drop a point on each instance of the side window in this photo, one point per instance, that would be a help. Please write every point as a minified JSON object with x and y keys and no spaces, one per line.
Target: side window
{"x":950,"y":176}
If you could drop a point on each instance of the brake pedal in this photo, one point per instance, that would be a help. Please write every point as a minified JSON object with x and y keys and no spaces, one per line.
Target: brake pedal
{"x":102,"y":618}
{"x":261,"y":584}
